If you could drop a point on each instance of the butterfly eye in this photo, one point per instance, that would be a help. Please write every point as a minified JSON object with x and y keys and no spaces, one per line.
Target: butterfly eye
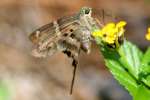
{"x":87,"y":11}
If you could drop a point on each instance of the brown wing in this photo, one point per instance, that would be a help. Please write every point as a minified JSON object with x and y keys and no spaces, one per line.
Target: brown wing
{"x":50,"y":30}
{"x":46,"y":39}
{"x":41,"y":33}
{"x":105,"y":15}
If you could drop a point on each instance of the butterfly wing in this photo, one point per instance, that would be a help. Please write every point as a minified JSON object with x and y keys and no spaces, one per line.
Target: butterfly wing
{"x":105,"y":16}
{"x":47,"y":39}
{"x":44,"y":40}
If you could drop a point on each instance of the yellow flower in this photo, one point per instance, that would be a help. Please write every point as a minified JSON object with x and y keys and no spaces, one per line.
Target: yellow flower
{"x":110,"y":32}
{"x":97,"y":33}
{"x":120,"y":27}
{"x":147,"y":36}
{"x":109,"y":40}
{"x":121,"y":24}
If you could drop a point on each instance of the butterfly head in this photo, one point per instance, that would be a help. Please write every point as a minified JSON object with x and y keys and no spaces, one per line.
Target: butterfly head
{"x":85,"y":11}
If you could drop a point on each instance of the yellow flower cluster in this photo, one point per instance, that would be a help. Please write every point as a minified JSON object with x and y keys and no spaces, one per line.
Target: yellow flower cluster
{"x":110,"y":32}
{"x":147,"y":36}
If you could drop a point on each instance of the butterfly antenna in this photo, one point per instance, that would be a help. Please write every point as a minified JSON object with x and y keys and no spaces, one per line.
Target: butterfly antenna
{"x":74,"y":63}
{"x":103,"y":16}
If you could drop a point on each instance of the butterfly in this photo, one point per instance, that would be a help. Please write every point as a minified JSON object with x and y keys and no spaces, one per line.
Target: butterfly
{"x":70,"y":35}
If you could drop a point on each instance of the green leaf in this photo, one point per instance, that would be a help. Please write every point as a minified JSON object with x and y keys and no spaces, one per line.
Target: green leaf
{"x":145,"y":68}
{"x":142,"y":94}
{"x":4,"y":94}
{"x":126,"y":64}
{"x":122,"y":76}
{"x":146,"y":57}
{"x":113,"y":62}
{"x":131,"y":57}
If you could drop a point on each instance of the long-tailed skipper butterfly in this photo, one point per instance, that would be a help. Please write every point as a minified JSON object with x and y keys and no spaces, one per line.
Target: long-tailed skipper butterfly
{"x":69,"y":35}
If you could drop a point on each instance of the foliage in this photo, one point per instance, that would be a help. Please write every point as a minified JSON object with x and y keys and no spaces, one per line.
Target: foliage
{"x":4,"y":94}
{"x":131,"y":67}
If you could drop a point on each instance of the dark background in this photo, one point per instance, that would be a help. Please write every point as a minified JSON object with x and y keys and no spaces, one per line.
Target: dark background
{"x":31,"y":78}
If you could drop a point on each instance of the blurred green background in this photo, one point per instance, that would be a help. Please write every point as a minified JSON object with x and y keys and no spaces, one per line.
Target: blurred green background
{"x":30,"y":78}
